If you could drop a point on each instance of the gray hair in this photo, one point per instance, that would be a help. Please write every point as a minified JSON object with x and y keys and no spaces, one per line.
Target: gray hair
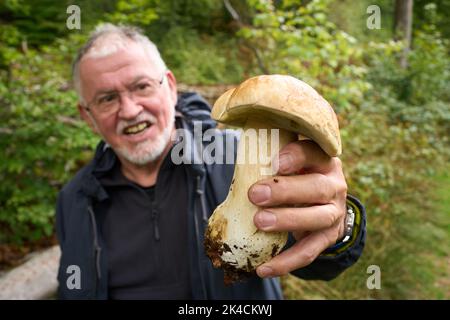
{"x":107,"y":39}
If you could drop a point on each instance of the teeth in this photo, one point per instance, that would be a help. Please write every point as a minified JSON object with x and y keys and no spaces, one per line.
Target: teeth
{"x":136,"y":128}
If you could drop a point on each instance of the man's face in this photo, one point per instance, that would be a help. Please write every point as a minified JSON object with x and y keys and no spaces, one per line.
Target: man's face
{"x":140,"y":129}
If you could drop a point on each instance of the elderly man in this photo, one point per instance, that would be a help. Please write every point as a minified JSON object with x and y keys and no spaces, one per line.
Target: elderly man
{"x":131,"y":222}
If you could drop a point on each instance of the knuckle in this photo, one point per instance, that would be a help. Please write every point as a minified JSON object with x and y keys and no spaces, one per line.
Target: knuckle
{"x":324,"y":189}
{"x":294,"y":150}
{"x":308,"y":257}
{"x":341,"y":195}
{"x":343,"y":187}
{"x":298,"y":151}
{"x":282,"y":270}
{"x":331,"y":216}
{"x":279,"y":268}
{"x":289,"y":218}
{"x":335,"y":236}
{"x":338,"y":163}
{"x":329,"y":238}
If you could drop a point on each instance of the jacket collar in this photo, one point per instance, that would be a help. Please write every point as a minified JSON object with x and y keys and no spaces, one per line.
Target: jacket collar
{"x":103,"y":161}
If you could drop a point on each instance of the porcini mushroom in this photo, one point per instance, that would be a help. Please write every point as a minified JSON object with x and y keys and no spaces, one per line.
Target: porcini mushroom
{"x":282,"y":102}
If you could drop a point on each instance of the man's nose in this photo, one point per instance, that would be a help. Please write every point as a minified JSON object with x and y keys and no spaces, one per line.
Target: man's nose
{"x":129,"y":109}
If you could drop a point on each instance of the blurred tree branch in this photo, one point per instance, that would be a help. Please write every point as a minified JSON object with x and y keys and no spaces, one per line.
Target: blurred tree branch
{"x":237,"y":18}
{"x":403,"y":27}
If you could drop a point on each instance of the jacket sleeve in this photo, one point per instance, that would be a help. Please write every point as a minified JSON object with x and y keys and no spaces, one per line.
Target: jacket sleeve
{"x":59,"y":226}
{"x":333,"y":262}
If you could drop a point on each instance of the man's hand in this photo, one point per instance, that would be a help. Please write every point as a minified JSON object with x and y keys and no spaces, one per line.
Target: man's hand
{"x":307,"y":198}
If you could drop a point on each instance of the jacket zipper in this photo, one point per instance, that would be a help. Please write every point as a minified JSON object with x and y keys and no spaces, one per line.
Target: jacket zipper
{"x":97,"y":250}
{"x":155,"y":224}
{"x":199,"y":193}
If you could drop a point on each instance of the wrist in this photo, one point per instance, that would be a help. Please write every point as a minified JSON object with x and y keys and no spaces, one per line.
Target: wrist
{"x":348,"y":230}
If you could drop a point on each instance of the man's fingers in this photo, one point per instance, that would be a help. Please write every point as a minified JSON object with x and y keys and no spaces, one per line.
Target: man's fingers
{"x":312,"y":188}
{"x":299,"y":255}
{"x":303,"y":155}
{"x":298,"y":219}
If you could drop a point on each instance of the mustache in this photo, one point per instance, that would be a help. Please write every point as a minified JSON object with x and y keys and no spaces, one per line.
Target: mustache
{"x":143,"y":116}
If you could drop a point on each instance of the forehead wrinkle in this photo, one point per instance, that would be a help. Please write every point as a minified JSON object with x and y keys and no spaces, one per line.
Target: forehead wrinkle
{"x":132,"y":82}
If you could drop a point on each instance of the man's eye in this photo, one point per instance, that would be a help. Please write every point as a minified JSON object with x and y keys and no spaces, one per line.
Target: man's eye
{"x":107,"y":99}
{"x":143,"y":87}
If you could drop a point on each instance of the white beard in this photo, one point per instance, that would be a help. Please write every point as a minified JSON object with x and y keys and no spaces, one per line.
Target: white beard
{"x":147,"y":151}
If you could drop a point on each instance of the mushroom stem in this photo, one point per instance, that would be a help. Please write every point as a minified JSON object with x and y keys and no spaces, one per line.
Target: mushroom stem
{"x":232,"y":240}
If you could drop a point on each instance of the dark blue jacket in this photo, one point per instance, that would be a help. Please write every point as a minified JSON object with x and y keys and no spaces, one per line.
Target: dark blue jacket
{"x":82,"y":244}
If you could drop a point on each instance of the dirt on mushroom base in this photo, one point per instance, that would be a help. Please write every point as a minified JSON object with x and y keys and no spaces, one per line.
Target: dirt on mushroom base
{"x":214,"y":249}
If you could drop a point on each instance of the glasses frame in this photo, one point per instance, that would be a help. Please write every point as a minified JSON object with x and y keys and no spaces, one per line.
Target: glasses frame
{"x":89,"y":106}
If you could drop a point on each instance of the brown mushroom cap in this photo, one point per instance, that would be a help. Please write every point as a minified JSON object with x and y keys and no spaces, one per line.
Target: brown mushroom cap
{"x":284,"y":102}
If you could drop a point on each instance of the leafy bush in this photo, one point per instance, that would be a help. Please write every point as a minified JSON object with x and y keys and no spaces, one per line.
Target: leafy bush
{"x":41,"y":137}
{"x":394,"y":126}
{"x":396,"y":140}
{"x":201,"y":60}
{"x":182,"y":31}
{"x":301,"y":41}
{"x":395,"y":123}
{"x":43,"y":141}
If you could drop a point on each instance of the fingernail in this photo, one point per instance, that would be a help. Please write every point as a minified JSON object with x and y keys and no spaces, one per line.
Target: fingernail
{"x":260,"y":193}
{"x":285,"y":162}
{"x":264,"y":271}
{"x":266,"y":219}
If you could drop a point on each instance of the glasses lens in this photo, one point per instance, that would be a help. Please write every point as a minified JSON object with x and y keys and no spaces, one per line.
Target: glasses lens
{"x":144,"y":89}
{"x":107,"y":103}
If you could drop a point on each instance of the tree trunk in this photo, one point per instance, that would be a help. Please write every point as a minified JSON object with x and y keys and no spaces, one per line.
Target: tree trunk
{"x":403,"y":27}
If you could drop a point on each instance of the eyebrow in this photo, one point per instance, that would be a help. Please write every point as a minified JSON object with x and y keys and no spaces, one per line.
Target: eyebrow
{"x":109,"y":91}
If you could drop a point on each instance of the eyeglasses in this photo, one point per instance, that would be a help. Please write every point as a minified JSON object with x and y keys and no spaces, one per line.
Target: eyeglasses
{"x":109,"y":102}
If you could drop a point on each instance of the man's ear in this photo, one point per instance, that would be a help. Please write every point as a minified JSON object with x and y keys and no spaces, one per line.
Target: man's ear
{"x":172,"y":81}
{"x":84,"y":113}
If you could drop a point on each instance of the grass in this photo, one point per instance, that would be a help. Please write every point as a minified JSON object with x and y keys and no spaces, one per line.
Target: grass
{"x":441,"y":202}
{"x":410,"y":244}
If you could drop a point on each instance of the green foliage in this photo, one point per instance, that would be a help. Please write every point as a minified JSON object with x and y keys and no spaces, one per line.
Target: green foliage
{"x":301,"y":41}
{"x":428,"y":75}
{"x":181,"y":30}
{"x":388,"y":163}
{"x":395,"y":123}
{"x":41,"y":22}
{"x":341,"y":10}
{"x":27,"y":14}
{"x":201,"y":60}
{"x":134,"y":12}
{"x":395,"y":129}
{"x":42,"y":140}
{"x":157,"y":16}
{"x":435,"y":12}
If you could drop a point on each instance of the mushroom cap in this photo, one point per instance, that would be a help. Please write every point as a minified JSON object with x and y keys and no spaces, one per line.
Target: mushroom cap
{"x":286,"y":103}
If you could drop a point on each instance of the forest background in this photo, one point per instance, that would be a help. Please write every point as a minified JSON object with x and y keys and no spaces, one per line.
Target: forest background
{"x":386,"y":72}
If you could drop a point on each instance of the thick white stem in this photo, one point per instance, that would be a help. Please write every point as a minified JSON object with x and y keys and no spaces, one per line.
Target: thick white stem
{"x":234,"y":241}
{"x":254,"y":162}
